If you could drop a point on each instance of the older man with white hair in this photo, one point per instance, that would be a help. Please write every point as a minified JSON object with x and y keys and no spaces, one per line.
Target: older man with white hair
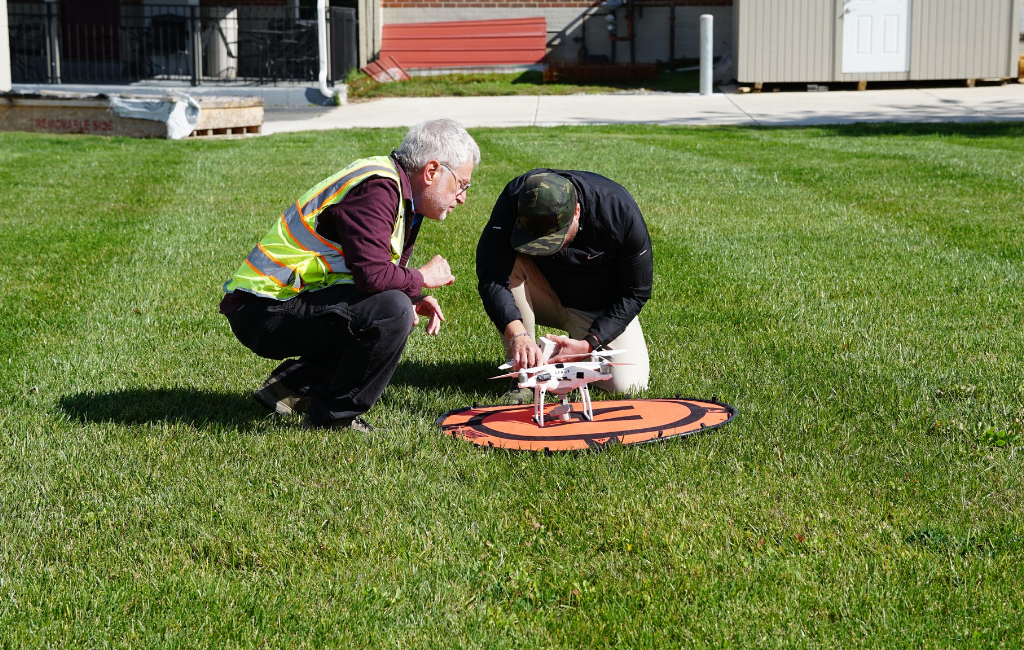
{"x":330,"y":282}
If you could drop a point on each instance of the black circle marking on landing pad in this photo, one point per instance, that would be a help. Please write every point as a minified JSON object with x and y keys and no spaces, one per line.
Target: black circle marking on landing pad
{"x":513,"y":427}
{"x":478,"y":423}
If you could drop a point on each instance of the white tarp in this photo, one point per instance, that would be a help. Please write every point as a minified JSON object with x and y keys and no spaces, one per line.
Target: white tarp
{"x":179,"y":113}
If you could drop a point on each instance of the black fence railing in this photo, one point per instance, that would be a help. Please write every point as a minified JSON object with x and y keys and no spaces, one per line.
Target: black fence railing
{"x":174,"y":42}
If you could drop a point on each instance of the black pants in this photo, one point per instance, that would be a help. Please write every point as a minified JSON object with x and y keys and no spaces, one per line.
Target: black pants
{"x":348,"y":345}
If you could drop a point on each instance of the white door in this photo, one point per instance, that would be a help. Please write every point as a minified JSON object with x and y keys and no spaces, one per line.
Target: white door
{"x":876,"y":36}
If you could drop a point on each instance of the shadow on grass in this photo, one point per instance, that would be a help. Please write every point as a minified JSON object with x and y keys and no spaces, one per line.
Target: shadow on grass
{"x":148,"y":406}
{"x":667,"y":80}
{"x":203,"y":408}
{"x":988,"y":543}
{"x":532,"y":77}
{"x":470,"y":376}
{"x":960,"y":129}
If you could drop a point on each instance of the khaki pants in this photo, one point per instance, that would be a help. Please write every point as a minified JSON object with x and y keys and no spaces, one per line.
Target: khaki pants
{"x":539,"y":305}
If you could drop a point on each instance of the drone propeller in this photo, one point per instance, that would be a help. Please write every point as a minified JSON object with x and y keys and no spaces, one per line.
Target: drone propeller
{"x":506,"y":366}
{"x":599,"y":353}
{"x":529,"y":370}
{"x":507,"y":374}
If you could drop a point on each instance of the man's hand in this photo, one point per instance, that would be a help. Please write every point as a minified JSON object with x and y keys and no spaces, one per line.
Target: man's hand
{"x":525,"y":353}
{"x":436,"y":273}
{"x":568,"y":349}
{"x":427,"y":306}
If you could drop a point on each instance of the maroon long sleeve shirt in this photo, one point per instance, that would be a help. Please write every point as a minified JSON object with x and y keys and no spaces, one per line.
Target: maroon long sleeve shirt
{"x":362,"y":224}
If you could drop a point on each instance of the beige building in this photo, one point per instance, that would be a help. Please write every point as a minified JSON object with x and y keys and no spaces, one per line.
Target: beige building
{"x":778,"y":41}
{"x":768,"y":41}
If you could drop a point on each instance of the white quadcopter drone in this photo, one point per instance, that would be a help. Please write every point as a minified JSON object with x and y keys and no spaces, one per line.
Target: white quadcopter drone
{"x":561,"y":379}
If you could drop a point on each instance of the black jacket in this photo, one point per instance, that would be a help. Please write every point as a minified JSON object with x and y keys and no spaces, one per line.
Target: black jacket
{"x":608,"y":267}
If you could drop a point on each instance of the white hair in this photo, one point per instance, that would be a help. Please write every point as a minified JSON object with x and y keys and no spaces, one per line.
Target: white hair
{"x":442,"y":140}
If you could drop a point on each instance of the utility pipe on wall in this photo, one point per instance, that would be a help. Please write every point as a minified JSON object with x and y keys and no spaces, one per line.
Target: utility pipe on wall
{"x":5,"y":50}
{"x":52,"y":42}
{"x":707,"y":51}
{"x":672,"y":35}
{"x":321,"y":29}
{"x":195,"y":39}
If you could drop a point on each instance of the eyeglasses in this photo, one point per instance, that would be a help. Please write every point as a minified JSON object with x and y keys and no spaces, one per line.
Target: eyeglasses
{"x":462,"y":185}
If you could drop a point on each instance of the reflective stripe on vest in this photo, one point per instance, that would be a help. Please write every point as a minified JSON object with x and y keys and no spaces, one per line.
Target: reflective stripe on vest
{"x":292,"y":257}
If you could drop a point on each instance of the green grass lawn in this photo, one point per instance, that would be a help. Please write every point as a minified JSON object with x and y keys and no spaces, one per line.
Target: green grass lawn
{"x":856,"y":292}
{"x":360,"y":86}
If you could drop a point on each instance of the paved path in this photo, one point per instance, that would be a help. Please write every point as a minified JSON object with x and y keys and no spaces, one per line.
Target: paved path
{"x":989,"y":103}
{"x":289,"y":109}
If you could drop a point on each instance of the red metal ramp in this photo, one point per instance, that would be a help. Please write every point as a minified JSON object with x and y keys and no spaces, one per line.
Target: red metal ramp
{"x":385,"y":70}
{"x":621,"y":422}
{"x":467,"y":43}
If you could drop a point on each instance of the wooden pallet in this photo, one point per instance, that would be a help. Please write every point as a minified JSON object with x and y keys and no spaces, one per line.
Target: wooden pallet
{"x":233,"y":130}
{"x":223,"y":116}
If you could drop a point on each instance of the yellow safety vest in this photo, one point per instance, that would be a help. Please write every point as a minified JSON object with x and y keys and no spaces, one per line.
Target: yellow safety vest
{"x":293,"y":258}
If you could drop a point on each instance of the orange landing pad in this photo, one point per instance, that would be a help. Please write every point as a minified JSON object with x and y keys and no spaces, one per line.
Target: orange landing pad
{"x":624,"y":422}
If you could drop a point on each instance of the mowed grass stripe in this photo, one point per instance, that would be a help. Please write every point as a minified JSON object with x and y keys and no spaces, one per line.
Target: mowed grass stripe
{"x":830,"y":232}
{"x":63,"y":229}
{"x":854,"y":502}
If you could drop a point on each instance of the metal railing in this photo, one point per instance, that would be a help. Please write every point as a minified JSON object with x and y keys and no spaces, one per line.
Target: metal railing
{"x":175,"y":42}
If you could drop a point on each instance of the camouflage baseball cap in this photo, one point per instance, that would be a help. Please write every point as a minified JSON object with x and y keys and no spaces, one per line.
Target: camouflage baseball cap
{"x":547,"y":205}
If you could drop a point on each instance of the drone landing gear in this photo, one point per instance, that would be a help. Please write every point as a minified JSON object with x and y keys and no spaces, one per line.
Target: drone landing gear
{"x":564,"y":410}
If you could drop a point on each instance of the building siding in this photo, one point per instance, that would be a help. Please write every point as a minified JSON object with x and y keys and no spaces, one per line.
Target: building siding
{"x":783,"y":40}
{"x":965,"y":40}
{"x":779,"y":41}
{"x":459,"y":44}
{"x":566,"y":20}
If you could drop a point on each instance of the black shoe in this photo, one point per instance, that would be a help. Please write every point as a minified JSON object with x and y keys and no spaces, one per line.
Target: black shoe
{"x":517,"y":395}
{"x":355,"y":424}
{"x":278,"y":398}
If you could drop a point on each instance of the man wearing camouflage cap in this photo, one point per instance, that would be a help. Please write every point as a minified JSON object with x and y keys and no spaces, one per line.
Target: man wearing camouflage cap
{"x":568,"y":250}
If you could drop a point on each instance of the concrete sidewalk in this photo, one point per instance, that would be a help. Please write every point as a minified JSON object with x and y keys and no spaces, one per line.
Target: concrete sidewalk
{"x":989,"y":103}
